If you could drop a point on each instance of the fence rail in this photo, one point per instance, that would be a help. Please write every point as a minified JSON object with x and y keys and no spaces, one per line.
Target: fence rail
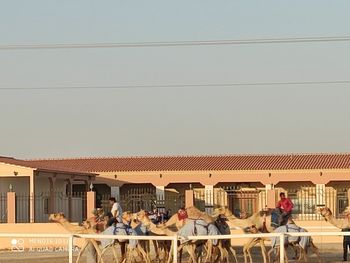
{"x":174,"y":239}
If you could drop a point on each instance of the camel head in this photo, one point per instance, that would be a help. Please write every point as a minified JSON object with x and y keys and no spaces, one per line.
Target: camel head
{"x":142,"y":216}
{"x":324,"y":211}
{"x":56,"y":217}
{"x":221,"y":211}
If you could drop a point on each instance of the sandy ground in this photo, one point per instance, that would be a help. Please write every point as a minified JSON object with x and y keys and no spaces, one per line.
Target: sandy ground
{"x":329,"y":253}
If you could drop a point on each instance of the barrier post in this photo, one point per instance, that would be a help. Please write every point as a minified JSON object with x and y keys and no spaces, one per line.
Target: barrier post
{"x":175,"y":249}
{"x":282,"y":252}
{"x":70,"y":248}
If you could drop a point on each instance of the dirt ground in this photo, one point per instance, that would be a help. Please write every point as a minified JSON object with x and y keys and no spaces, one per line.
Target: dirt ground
{"x":328,"y":252}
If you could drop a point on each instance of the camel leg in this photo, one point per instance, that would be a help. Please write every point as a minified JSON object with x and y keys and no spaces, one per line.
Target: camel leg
{"x":180,"y":249}
{"x":98,"y":250}
{"x":247,"y":247}
{"x":209,"y":252}
{"x":123,"y":249}
{"x":263,"y":250}
{"x":86,"y":243}
{"x":233,"y":252}
{"x":143,"y":253}
{"x":170,"y":253}
{"x":115,"y":254}
{"x":271,"y":251}
{"x":191,"y":251}
{"x":224,"y":253}
{"x":316,"y":251}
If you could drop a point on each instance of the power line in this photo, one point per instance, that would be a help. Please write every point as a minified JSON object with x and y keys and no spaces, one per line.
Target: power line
{"x":178,"y":43}
{"x":198,"y":85}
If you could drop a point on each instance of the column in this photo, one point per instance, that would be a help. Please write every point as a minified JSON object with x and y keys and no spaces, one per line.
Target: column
{"x":52,"y":204}
{"x":31,"y":198}
{"x":70,"y":200}
{"x":160,"y":195}
{"x":270,"y":196}
{"x":209,"y":198}
{"x":90,"y":203}
{"x":189,"y":198}
{"x":320,"y":194}
{"x":11,"y":207}
{"x":115,"y":192}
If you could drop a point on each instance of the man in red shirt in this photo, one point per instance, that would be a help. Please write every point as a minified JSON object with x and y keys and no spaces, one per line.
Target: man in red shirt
{"x":286,"y":206}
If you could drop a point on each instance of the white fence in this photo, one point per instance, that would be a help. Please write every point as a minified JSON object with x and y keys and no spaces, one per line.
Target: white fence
{"x":174,"y":239}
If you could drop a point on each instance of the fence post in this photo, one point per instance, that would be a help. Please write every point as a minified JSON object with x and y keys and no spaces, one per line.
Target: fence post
{"x":189,"y":198}
{"x":282,"y":252}
{"x":175,"y":249}
{"x":90,"y":203}
{"x":11,"y":207}
{"x":70,"y":248}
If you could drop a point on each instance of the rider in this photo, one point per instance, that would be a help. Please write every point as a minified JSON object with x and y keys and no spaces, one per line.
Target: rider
{"x":116,"y":212}
{"x":285,"y":205}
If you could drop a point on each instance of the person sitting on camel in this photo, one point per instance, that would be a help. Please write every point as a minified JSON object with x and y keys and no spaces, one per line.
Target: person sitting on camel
{"x":284,"y":207}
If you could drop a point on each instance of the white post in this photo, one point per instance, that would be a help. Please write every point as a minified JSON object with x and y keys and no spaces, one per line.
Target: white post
{"x":160,"y":195}
{"x":175,"y":249}
{"x":209,"y":198}
{"x":70,"y":248}
{"x":115,"y":192}
{"x":282,"y":252}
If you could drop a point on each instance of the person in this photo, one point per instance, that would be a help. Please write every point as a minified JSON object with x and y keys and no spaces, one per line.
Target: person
{"x":346,"y":244}
{"x":285,"y":205}
{"x":115,"y":215}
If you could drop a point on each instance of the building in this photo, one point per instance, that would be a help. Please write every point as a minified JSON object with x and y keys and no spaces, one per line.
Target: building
{"x":41,"y":189}
{"x":242,"y":182}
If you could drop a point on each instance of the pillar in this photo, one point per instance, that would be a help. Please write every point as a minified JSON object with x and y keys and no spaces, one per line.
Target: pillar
{"x":32,"y":198}
{"x":270,"y":196}
{"x":115,"y":192}
{"x":70,"y":200}
{"x":320,"y":194}
{"x":189,"y":198}
{"x":90,"y":203}
{"x":209,"y":198}
{"x":11,"y":207}
{"x":52,"y":204}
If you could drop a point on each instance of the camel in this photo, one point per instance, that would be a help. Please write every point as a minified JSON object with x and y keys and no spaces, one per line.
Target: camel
{"x":135,"y":249}
{"x":327,"y":214}
{"x":194,"y":214}
{"x":162,"y":248}
{"x":74,"y":229}
{"x":261,"y":221}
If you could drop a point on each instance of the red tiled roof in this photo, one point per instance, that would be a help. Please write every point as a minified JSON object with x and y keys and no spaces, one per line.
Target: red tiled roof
{"x":204,"y":163}
{"x":42,"y":166}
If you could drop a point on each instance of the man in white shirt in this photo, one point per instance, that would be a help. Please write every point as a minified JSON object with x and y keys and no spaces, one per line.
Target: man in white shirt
{"x":116,"y":212}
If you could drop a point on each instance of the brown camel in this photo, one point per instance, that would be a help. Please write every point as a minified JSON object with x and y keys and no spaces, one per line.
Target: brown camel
{"x":327,"y":214}
{"x":262,"y":222}
{"x":162,"y":248}
{"x":74,"y":229}
{"x":129,"y":254}
{"x":194,"y":213}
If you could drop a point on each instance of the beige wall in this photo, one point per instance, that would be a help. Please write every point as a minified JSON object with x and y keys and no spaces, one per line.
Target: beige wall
{"x":163,"y":178}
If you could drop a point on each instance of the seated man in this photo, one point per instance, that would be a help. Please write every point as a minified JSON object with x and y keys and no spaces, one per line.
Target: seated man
{"x":285,"y":207}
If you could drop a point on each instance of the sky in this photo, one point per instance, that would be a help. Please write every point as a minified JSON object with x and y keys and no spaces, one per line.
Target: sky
{"x":173,"y":121}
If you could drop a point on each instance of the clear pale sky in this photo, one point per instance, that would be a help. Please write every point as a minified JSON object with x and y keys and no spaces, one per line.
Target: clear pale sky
{"x":163,"y":121}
